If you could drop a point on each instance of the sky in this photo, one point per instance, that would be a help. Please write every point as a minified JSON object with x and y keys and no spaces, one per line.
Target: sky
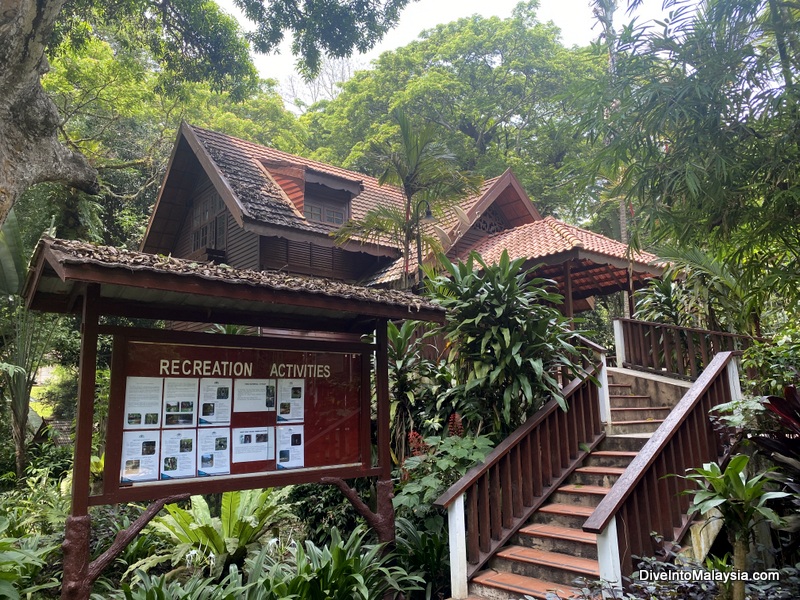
{"x":573,"y":17}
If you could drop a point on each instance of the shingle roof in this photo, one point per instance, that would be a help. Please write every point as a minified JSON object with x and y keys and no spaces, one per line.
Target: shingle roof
{"x":551,"y":236}
{"x":240,"y":162}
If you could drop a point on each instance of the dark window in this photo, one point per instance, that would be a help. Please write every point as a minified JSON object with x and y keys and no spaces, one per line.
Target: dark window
{"x":209,"y":223}
{"x":334,"y":213}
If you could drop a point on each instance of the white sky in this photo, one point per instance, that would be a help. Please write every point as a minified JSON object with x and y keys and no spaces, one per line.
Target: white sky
{"x":573,"y":17}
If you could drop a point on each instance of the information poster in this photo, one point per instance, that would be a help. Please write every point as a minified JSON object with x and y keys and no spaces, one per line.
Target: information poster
{"x":291,"y":447}
{"x":291,"y":399}
{"x":180,"y":402}
{"x":178,"y":453}
{"x":253,"y":444}
{"x":143,"y":402}
{"x":139,"y":456}
{"x":214,"y":451}
{"x":216,"y":398}
{"x":254,"y":395}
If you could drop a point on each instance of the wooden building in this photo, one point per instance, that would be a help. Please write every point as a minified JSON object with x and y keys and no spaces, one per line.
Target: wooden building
{"x":252,"y":207}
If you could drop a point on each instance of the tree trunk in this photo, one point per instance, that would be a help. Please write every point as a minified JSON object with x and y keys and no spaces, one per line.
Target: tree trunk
{"x":30,"y":152}
{"x":739,"y":564}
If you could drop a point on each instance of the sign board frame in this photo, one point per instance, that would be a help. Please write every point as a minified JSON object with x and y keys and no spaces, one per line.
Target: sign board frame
{"x":113,"y":491}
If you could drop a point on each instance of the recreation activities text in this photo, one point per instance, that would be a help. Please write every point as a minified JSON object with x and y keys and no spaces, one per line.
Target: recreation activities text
{"x":226,"y":368}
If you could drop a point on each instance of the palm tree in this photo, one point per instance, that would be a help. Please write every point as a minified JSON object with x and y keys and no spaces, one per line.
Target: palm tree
{"x":24,"y":336}
{"x":426,"y":171}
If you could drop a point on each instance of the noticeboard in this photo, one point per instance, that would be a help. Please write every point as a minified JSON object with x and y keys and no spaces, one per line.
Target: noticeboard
{"x":198,"y":414}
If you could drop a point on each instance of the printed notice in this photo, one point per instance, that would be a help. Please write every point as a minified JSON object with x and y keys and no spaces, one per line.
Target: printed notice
{"x":253,"y":443}
{"x":143,"y":402}
{"x":291,"y":446}
{"x":180,"y":402}
{"x":178,"y":453}
{"x":213,"y":451}
{"x":139,"y":456}
{"x":216,"y":398}
{"x":254,"y":395}
{"x":291,"y":399}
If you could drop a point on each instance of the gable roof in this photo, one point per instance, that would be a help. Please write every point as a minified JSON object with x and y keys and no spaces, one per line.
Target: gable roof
{"x":240,"y":172}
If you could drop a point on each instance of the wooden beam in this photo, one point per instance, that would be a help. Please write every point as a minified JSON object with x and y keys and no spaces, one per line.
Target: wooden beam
{"x":568,"y":307}
{"x":382,"y":394}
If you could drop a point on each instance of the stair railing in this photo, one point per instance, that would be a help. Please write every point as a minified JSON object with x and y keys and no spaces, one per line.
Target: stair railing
{"x":645,"y":499}
{"x":493,"y":500}
{"x":671,"y":350}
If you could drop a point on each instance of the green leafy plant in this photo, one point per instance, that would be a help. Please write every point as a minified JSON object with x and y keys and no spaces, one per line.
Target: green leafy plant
{"x":344,"y":570}
{"x":740,"y":500}
{"x":425,"y":552}
{"x":775,"y":362}
{"x":508,"y":340}
{"x":436,"y":463}
{"x":216,"y":543}
{"x":19,"y":562}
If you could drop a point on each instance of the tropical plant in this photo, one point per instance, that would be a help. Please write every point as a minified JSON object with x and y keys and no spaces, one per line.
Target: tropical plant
{"x":436,"y":463}
{"x":20,"y":559}
{"x":347,"y":569}
{"x":741,"y":502}
{"x":426,"y":172}
{"x":426,"y":553}
{"x":507,"y":338}
{"x":776,"y":362}
{"x":216,"y":543}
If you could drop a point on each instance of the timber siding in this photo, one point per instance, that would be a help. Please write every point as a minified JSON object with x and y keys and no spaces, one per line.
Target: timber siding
{"x":241,"y":247}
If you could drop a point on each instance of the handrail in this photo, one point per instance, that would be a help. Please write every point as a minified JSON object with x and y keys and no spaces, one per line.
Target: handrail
{"x":644,"y":495}
{"x":494,"y":457}
{"x":670,"y":349}
{"x":694,"y":329}
{"x":594,"y":346}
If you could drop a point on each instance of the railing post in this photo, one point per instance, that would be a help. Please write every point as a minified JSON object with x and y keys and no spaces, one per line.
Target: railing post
{"x":734,"y":383}
{"x":608,"y":558}
{"x":619,"y":342}
{"x":603,"y":395}
{"x":458,"y":549}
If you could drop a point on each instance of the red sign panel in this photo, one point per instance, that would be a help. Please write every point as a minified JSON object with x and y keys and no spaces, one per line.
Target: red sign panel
{"x":195,"y":411}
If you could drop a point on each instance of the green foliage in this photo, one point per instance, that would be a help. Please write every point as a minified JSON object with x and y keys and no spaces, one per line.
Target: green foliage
{"x":493,"y":85}
{"x":426,"y":553}
{"x":507,"y":338}
{"x":216,"y":543}
{"x":321,"y":508}
{"x":695,"y":126}
{"x":740,"y":500}
{"x":775,"y":362}
{"x":20,"y":560}
{"x":436,"y":464}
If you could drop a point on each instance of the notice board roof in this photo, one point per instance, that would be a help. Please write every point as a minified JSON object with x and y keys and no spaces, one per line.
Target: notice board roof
{"x":136,"y":284}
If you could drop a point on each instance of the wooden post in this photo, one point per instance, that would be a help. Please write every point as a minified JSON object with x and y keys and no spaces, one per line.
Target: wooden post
{"x":568,"y":305}
{"x":603,"y":395}
{"x":76,"y":584}
{"x":619,"y":342}
{"x":608,"y":558}
{"x":382,"y":394}
{"x":458,"y":549}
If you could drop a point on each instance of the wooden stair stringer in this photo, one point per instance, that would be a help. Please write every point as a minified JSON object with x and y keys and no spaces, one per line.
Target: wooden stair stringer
{"x":528,"y":511}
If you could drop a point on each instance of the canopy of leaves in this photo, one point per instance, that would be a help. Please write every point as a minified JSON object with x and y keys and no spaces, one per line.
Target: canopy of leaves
{"x":492,"y":85}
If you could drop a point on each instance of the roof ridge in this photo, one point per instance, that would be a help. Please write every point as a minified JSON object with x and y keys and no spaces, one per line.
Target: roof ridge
{"x":563,"y":230}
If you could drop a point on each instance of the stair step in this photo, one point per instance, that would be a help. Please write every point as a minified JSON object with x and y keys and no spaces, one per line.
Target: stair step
{"x":597,"y":475}
{"x":568,"y":515}
{"x":578,"y":567}
{"x":620,"y":401}
{"x":556,"y":538}
{"x":634,"y":426}
{"x":582,"y":495}
{"x":623,"y":442}
{"x":638,"y":413}
{"x":610,"y":458}
{"x":518,"y":586}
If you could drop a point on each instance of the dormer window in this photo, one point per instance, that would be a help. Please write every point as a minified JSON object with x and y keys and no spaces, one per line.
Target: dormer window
{"x":325,"y":212}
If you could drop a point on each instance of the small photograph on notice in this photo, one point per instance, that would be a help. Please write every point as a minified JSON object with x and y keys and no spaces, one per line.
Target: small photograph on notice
{"x":187,"y":406}
{"x":173,"y":407}
{"x":206,"y":461}
{"x":132,"y":467}
{"x":283,"y":456}
{"x":221,"y":443}
{"x":134,"y":418}
{"x":148,"y":448}
{"x":297,"y":392}
{"x":151,"y":418}
{"x":186,"y":445}
{"x":297,"y":439}
{"x":246,"y":439}
{"x":208,"y":409}
{"x":262,"y":438}
{"x":285,"y":408}
{"x":223,"y":393}
{"x":170,"y":463}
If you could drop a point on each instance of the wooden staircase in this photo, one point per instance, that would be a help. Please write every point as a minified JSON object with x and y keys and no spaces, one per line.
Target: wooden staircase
{"x":549,"y":553}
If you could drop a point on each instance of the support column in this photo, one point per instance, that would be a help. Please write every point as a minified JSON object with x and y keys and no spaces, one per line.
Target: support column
{"x":76,"y":584}
{"x":382,"y":394}
{"x":619,"y":342}
{"x":609,"y":560}
{"x":568,"y":304}
{"x":457,"y":532}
